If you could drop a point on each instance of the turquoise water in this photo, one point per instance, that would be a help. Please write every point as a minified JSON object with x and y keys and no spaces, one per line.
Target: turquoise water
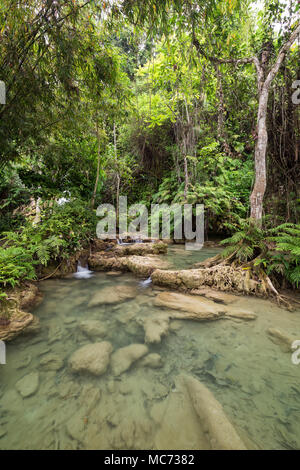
{"x":255,"y":381}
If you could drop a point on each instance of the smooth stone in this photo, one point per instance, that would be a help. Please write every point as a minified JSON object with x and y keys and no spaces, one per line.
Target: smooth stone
{"x":152,"y":360}
{"x":192,"y":307}
{"x":93,"y":358}
{"x":93,"y":328}
{"x":123,"y":358}
{"x":284,"y":340}
{"x":112,"y":295}
{"x":28,"y":385}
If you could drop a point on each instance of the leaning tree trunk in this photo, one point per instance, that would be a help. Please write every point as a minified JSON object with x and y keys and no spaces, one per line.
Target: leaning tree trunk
{"x":257,"y":195}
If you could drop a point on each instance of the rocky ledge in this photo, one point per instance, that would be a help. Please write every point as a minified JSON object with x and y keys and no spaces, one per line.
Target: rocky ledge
{"x":140,"y":258}
{"x":19,"y":302}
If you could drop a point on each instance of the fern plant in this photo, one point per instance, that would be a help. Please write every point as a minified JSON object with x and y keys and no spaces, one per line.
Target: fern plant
{"x":287,"y":239}
{"x":247,"y":243}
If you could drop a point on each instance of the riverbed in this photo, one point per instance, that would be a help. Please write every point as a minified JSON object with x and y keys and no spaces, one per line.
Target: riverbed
{"x":254,"y":380}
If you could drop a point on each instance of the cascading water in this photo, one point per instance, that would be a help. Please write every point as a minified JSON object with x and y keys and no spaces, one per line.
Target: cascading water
{"x":83,"y":272}
{"x":146,"y":282}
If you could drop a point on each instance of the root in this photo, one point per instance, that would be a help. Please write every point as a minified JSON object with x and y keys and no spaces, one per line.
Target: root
{"x":49,"y":275}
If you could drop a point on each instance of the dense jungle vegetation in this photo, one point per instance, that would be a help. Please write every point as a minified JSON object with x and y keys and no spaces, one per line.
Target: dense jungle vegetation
{"x":162,"y":101}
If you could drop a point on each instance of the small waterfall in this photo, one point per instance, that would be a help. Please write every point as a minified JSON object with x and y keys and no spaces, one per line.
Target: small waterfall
{"x":83,"y":272}
{"x":146,"y":282}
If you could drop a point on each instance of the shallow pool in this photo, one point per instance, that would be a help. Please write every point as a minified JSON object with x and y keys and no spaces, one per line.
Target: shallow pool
{"x":255,"y":381}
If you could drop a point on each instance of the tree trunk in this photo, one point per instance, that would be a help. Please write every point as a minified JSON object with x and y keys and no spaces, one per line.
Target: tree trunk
{"x":222,"y":134}
{"x":258,"y":192}
{"x":257,"y":195}
{"x":98,"y":167}
{"x":117,"y":172}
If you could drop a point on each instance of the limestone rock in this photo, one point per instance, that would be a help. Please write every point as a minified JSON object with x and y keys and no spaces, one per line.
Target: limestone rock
{"x":93,"y":328}
{"x":284,"y":340}
{"x":215,"y":295}
{"x":140,"y":249}
{"x":152,"y":360}
{"x":240,"y":314}
{"x":176,"y":423}
{"x":145,"y":265}
{"x":29,"y":297}
{"x":93,"y":358}
{"x":192,"y":307}
{"x":18,"y":322}
{"x":220,"y":432}
{"x":33,"y":328}
{"x":28,"y":385}
{"x":155,"y":327}
{"x":123,"y":358}
{"x":107,"y":295}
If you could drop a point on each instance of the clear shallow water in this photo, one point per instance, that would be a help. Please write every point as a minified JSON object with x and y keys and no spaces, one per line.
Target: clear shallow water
{"x":254,"y":380}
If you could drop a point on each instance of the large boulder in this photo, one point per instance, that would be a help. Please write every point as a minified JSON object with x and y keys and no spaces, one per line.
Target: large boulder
{"x":189,"y":306}
{"x":92,"y":358}
{"x":123,"y":358}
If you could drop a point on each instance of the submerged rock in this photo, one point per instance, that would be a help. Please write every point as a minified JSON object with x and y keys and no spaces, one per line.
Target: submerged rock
{"x":152,"y":360}
{"x":192,"y":307}
{"x":93,"y":328}
{"x":113,"y":295}
{"x":284,"y":340}
{"x":123,"y":358}
{"x":28,"y":385}
{"x":33,"y":328}
{"x":93,"y":358}
{"x":240,"y":314}
{"x":215,"y":295}
{"x":219,"y":430}
{"x":155,"y":327}
{"x":52,"y":362}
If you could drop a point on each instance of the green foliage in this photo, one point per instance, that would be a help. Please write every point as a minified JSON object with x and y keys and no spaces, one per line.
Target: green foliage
{"x":276,"y":250}
{"x":63,"y":230}
{"x":247,"y":243}
{"x":287,"y":240}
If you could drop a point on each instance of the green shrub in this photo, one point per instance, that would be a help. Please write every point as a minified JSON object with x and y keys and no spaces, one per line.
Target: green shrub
{"x":63,"y":229}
